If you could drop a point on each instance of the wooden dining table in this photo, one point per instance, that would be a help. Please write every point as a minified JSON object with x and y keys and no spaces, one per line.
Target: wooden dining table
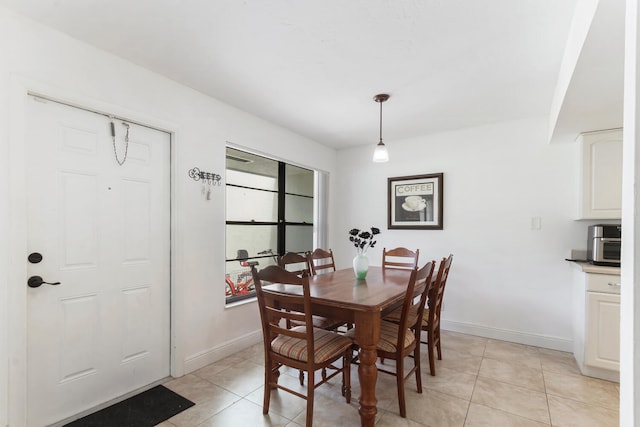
{"x":338,"y":295}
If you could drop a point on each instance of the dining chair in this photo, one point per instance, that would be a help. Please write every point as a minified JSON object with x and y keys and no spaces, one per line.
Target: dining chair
{"x":400,"y":258}
{"x":300,"y":267}
{"x":294,"y":262}
{"x":297,"y":260}
{"x":302,"y":347}
{"x":399,"y":340}
{"x":321,"y":261}
{"x":431,"y":317}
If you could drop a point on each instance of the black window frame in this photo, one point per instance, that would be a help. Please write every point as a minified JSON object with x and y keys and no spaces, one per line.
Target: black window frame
{"x":281,"y":223}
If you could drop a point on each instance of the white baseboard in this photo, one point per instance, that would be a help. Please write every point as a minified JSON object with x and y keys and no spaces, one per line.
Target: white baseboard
{"x":604,"y":374}
{"x":228,"y":348}
{"x":545,"y":341}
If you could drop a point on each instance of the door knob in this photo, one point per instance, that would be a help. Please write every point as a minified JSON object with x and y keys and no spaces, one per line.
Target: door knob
{"x":36,"y":281}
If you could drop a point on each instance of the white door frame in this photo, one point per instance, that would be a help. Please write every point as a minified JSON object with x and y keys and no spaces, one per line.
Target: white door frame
{"x":20,"y":87}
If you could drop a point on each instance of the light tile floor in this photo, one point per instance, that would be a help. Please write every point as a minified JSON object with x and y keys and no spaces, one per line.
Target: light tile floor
{"x":479,"y":382}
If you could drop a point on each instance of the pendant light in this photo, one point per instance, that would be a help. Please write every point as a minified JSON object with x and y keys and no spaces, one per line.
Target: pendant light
{"x":380,"y":155}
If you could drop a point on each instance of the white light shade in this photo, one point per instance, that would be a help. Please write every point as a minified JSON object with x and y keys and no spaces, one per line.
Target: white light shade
{"x":380,"y":155}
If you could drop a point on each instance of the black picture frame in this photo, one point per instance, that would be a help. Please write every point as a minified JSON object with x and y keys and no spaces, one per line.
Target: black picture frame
{"x":415,"y":202}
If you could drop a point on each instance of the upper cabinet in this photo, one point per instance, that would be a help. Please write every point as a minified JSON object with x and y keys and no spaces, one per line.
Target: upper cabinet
{"x":601,"y":175}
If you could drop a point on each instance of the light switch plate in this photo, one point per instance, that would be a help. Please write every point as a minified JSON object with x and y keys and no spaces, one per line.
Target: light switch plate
{"x":536,"y":223}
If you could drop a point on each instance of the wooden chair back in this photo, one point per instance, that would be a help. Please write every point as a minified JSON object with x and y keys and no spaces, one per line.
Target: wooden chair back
{"x":400,"y":258}
{"x":295,"y":263}
{"x":414,"y":301}
{"x":431,"y":325}
{"x":292,"y":291}
{"x":321,"y":261}
{"x":436,"y":295}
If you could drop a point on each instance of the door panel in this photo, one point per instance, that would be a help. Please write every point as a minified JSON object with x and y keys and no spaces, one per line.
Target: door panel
{"x":603,"y":330}
{"x":104,"y":233}
{"x":79,"y":215}
{"x":77,"y":344}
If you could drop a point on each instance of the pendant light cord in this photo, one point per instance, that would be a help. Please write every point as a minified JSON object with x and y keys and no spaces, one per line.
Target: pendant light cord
{"x":380,"y":120}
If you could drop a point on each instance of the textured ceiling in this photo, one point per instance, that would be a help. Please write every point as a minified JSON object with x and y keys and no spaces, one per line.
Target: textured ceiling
{"x":314,"y":66}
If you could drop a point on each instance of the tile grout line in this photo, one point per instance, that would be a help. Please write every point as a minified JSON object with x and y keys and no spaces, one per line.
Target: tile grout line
{"x":475,"y":382}
{"x":546,"y":395}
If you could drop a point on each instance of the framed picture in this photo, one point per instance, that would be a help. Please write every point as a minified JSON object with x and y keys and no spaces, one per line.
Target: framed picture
{"x":415,"y":202}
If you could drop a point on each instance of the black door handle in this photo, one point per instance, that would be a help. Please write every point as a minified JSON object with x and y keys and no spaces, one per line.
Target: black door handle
{"x":36,"y":281}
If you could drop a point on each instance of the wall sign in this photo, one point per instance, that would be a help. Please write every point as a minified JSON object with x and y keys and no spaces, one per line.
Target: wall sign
{"x":415,"y":202}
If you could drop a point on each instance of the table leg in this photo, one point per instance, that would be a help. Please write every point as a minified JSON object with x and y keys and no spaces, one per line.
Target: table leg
{"x":367,"y":336}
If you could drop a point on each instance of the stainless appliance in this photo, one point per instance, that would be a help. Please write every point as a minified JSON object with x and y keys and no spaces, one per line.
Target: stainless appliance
{"x":603,"y":244}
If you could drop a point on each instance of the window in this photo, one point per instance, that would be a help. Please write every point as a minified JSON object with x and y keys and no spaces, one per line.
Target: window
{"x":270,"y":210}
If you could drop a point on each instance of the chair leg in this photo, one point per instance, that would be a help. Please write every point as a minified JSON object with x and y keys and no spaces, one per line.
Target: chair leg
{"x":400,"y":384}
{"x":301,"y":377}
{"x":430,"y":350}
{"x":268,"y":371}
{"x":275,"y":371}
{"x":310,"y":389}
{"x":416,"y":363}
{"x":346,"y":376}
{"x":438,"y":344}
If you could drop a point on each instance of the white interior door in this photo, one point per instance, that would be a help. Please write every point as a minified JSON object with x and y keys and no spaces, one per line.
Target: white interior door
{"x":103,"y":231}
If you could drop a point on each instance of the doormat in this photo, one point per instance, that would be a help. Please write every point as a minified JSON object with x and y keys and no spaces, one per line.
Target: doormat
{"x":142,"y":410}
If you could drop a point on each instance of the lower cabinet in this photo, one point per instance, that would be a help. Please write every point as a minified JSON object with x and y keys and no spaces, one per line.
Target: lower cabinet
{"x":603,"y":331}
{"x":597,"y":324}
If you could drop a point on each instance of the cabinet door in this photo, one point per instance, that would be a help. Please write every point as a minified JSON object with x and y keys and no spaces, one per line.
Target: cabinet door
{"x":603,"y":331}
{"x":601,"y":191}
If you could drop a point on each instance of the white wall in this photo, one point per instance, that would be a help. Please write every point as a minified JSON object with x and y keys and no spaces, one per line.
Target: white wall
{"x":37,"y":58}
{"x":507,"y":281}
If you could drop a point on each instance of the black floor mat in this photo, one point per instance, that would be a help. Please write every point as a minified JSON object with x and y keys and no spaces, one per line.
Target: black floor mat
{"x":142,"y":410}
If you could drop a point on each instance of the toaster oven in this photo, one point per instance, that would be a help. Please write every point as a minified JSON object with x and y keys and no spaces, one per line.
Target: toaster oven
{"x":604,"y":242}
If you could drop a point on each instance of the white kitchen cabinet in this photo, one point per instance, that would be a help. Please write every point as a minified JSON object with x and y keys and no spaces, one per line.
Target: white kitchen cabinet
{"x":597,"y":322}
{"x":601,"y":175}
{"x":603,"y":331}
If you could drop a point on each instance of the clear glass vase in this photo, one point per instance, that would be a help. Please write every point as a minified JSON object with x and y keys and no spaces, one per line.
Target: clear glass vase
{"x":360,"y":266}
